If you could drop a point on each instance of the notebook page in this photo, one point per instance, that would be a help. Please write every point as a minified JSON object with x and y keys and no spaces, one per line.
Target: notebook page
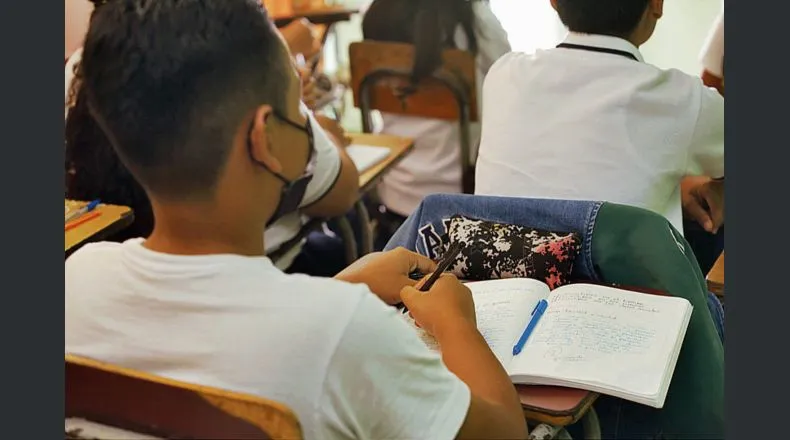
{"x":603,"y":336}
{"x":366,"y":156}
{"x":503,"y":309}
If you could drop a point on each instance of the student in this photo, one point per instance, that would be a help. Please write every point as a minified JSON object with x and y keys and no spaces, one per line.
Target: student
{"x":93,"y":170}
{"x":434,"y":166}
{"x":220,"y":143}
{"x":591,"y":120}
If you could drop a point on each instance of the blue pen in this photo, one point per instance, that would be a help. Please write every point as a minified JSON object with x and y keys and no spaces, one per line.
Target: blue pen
{"x":84,"y":210}
{"x":537,"y":313}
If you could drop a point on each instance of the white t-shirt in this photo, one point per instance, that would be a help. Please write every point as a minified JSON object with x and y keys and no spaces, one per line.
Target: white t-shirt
{"x":347,"y":364}
{"x":713,"y":51}
{"x":434,"y":165}
{"x":325,"y":175}
{"x":579,"y":125}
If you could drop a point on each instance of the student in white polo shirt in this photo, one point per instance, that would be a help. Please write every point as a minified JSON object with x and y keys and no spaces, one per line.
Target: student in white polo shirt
{"x":590,"y":119}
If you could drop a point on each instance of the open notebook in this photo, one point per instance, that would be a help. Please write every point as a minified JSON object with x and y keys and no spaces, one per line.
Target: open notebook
{"x":366,"y":156}
{"x":612,"y":341}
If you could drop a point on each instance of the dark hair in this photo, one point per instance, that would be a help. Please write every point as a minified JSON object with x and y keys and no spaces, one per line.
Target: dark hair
{"x":93,"y":169}
{"x":169,"y":82}
{"x":430,"y":25}
{"x":617,"y":18}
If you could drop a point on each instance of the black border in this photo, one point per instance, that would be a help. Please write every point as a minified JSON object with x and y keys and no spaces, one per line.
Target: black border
{"x":32,"y":185}
{"x":757,"y":300}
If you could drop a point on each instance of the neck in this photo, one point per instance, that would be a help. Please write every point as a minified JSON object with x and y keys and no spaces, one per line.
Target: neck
{"x":196,"y":231}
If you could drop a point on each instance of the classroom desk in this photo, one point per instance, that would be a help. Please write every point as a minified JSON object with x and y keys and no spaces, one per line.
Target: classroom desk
{"x":398,"y":146}
{"x":715,"y":277}
{"x":113,"y":218}
{"x":554,"y":406}
{"x":283,"y":13}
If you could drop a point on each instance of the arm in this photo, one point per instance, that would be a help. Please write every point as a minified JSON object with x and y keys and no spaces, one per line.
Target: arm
{"x":706,"y":150}
{"x":492,"y":39}
{"x":494,"y":410}
{"x":447,"y":312}
{"x":408,"y":391}
{"x":335,"y":185}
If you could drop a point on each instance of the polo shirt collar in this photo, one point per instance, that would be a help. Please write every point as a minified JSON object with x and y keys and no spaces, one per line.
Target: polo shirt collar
{"x":604,"y":41}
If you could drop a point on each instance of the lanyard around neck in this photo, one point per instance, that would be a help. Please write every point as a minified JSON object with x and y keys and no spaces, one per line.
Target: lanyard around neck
{"x":621,"y":53}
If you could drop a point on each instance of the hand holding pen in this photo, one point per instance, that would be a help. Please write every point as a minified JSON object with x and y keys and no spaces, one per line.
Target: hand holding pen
{"x":447,"y":308}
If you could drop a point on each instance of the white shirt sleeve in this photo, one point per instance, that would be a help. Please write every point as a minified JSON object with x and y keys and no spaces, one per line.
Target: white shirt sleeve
{"x":706,"y":154}
{"x":384,"y":383}
{"x":327,"y":166}
{"x":492,"y":40}
{"x":713,"y":51}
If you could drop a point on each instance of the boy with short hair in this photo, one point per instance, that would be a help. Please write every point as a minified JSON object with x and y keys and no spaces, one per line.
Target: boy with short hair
{"x":591,"y":120}
{"x":201,"y":102}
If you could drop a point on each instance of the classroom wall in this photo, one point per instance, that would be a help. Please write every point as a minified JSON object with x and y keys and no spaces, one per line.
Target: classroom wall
{"x":680,"y":34}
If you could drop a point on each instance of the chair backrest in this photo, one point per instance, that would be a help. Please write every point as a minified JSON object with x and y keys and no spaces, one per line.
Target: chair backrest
{"x":381,"y":80}
{"x":384,"y":69}
{"x":145,"y":404}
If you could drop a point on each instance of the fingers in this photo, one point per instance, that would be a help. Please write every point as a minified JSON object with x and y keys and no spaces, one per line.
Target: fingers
{"x":416,"y":262}
{"x":714,"y":197}
{"x":408,"y":295}
{"x":695,"y":210}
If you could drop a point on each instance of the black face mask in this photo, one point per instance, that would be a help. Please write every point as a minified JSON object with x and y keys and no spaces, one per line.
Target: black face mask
{"x":293,"y":191}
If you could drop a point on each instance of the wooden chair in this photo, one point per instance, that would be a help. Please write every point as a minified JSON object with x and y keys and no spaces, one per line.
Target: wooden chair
{"x":153,"y":406}
{"x":381,"y":80}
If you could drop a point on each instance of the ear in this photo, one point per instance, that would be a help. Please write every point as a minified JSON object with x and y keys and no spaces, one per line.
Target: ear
{"x":259,"y":140}
{"x":656,"y":8}
{"x":554,"y":4}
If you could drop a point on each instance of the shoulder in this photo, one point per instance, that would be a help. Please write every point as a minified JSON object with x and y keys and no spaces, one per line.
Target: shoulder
{"x":93,"y":254}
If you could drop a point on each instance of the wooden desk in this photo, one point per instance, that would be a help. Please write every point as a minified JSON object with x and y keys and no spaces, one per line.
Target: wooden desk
{"x":554,"y":406}
{"x":398,"y":146}
{"x":113,"y":218}
{"x":283,"y":13}
{"x":715,"y":277}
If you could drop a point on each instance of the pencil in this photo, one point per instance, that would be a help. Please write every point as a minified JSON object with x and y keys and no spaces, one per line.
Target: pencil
{"x":82,"y":219}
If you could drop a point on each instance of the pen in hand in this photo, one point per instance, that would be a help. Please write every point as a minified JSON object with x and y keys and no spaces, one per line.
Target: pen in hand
{"x":447,"y":259}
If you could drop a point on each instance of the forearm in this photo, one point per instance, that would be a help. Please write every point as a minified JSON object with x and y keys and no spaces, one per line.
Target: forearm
{"x":467,"y":355}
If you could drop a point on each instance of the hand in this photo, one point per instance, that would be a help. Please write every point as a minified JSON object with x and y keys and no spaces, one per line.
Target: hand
{"x":447,"y":304}
{"x":300,"y":36}
{"x":386,"y":273}
{"x":703,"y":201}
{"x":310,"y":90}
{"x":333,"y":127}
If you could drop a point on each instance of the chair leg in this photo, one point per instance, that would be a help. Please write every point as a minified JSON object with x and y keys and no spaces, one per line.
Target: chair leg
{"x":366,"y":234}
{"x":347,"y":234}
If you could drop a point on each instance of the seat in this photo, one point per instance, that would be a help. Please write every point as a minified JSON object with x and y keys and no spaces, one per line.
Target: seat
{"x":381,"y":80}
{"x":103,"y":397}
{"x":620,"y":245}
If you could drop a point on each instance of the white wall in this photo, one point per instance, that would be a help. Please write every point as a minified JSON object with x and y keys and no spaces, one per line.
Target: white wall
{"x":677,"y":42}
{"x":681,"y":33}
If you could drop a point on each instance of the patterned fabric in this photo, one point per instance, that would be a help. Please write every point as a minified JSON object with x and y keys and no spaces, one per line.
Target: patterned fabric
{"x":497,"y":250}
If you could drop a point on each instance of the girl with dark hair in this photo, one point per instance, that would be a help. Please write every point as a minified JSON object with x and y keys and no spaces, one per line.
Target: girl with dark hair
{"x":432,"y":26}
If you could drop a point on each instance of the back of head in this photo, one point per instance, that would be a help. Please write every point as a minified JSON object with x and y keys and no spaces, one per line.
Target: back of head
{"x":430,"y":25}
{"x":170,"y":82}
{"x":616,"y":18}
